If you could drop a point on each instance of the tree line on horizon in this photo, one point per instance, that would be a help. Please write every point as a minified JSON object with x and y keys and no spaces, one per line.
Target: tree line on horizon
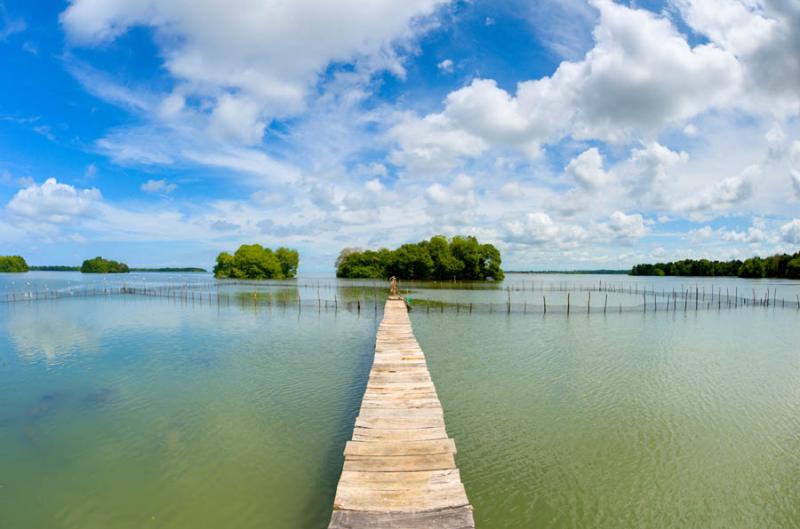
{"x":98,"y":265}
{"x":783,"y":266}
{"x":440,"y":258}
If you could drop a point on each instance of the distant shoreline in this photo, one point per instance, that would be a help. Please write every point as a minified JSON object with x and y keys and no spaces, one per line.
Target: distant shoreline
{"x":58,"y":268}
{"x":579,"y":272}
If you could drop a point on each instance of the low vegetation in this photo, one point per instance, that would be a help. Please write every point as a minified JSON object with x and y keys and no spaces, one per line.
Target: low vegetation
{"x":777,"y":266}
{"x":98,"y":265}
{"x":12,"y":264}
{"x":253,"y":261}
{"x":460,"y":258}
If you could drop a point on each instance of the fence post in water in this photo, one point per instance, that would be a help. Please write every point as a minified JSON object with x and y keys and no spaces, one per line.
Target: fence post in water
{"x":544,"y":300}
{"x":589,"y":303}
{"x":736,"y":300}
{"x":567,"y":303}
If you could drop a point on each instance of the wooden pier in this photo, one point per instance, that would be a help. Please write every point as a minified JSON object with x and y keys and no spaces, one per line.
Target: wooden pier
{"x":399,"y":468}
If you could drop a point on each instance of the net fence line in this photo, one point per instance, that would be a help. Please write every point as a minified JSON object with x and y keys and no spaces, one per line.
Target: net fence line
{"x":575,"y":303}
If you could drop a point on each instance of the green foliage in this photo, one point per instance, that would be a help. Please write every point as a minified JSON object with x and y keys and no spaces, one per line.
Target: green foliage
{"x":793,"y":268}
{"x":98,"y":265}
{"x":253,"y":261}
{"x":776,"y":266}
{"x":462,"y":258}
{"x":12,"y":264}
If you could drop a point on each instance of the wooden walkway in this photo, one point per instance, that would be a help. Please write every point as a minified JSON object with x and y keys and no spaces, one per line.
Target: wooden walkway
{"x":399,"y":469}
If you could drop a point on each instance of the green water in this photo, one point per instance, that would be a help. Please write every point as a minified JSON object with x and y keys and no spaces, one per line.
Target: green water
{"x":133,"y":412}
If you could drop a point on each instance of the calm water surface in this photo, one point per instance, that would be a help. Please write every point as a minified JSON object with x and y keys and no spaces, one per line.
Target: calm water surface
{"x":131,"y":412}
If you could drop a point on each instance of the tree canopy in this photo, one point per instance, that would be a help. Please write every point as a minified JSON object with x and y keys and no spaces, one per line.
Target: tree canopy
{"x":12,"y":264}
{"x":462,"y":258}
{"x":776,"y":266}
{"x":253,"y":261}
{"x":98,"y":265}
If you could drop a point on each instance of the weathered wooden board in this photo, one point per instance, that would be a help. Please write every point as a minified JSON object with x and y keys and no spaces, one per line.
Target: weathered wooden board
{"x":399,"y":469}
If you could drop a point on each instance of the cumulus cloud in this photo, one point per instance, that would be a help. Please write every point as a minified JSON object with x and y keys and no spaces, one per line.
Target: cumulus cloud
{"x":720,"y":197}
{"x":446,"y":66}
{"x":764,"y":35}
{"x":794,"y":171}
{"x":254,"y":59}
{"x":627,"y":227}
{"x":755,"y":234}
{"x":649,"y":169}
{"x":791,"y":232}
{"x":587,"y":169}
{"x":539,"y":229}
{"x":158,"y":186}
{"x":640,"y":76}
{"x":53,"y":202}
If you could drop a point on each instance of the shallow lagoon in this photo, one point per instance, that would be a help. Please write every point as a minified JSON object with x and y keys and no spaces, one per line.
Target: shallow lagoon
{"x":128,"y":411}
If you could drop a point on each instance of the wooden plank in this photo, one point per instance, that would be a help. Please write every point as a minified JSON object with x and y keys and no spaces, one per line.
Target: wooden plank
{"x":399,"y":423}
{"x":380,"y":412}
{"x":400,"y":463}
{"x":459,"y":518}
{"x":413,"y":500}
{"x":395,"y":448}
{"x":400,"y":480}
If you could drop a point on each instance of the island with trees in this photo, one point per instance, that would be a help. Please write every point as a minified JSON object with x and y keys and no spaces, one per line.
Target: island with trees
{"x":98,"y":265}
{"x":253,"y":261}
{"x":460,"y":258}
{"x":12,"y":264}
{"x":784,"y":266}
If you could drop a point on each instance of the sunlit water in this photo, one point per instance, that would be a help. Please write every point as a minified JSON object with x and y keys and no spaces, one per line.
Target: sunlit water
{"x":132,"y":412}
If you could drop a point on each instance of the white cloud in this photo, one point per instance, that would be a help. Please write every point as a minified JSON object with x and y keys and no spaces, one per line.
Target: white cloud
{"x":255,"y":59}
{"x":53,"y":202}
{"x":446,"y":66}
{"x":627,"y":227}
{"x":158,"y":186}
{"x":720,"y":197}
{"x":459,"y":193}
{"x":755,"y":234}
{"x":641,"y":76}
{"x":587,"y":169}
{"x":701,"y":234}
{"x":764,"y":35}
{"x":791,"y":232}
{"x":539,"y":229}
{"x":794,"y":171}
{"x":237,"y":118}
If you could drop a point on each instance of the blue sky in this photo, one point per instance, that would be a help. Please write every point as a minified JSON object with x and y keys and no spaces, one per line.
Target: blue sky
{"x":571,"y":134}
